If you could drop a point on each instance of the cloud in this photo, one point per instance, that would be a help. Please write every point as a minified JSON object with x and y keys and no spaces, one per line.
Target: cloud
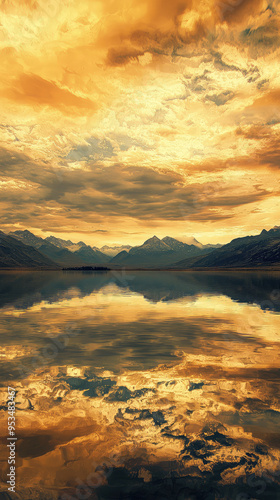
{"x":125,"y":142}
{"x":128,"y":110}
{"x":122,"y":55}
{"x":263,"y":39}
{"x":101,"y":193}
{"x":256,"y":132}
{"x":271,"y":98}
{"x":265,"y":109}
{"x":92,"y":149}
{"x":161,"y":28}
{"x":269,"y":155}
{"x":251,"y":72}
{"x":236,"y":11}
{"x":220,"y":99}
{"x":14,"y":4}
{"x":33,"y":90}
{"x":165,"y":28}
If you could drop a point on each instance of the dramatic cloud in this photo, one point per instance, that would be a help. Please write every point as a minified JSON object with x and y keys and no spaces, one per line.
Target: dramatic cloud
{"x":140,"y":117}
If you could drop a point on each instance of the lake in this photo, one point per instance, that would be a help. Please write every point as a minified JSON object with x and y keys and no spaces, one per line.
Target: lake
{"x":131,"y":385}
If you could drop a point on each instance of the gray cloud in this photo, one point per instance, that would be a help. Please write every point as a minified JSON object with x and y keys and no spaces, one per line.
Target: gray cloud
{"x":95,"y":149}
{"x":263,"y":39}
{"x":125,"y":142}
{"x":115,"y":191}
{"x":251,"y":72}
{"x":220,"y":99}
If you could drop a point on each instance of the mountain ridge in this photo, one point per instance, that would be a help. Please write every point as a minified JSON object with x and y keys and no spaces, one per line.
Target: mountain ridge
{"x":249,"y":251}
{"x":155,"y":253}
{"x":15,"y":254}
{"x":58,"y":250}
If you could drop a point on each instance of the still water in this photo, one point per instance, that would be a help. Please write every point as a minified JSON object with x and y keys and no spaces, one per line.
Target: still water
{"x":144,"y":385}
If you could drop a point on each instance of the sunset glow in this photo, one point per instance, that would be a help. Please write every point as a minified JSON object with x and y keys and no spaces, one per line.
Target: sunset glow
{"x":123,"y":119}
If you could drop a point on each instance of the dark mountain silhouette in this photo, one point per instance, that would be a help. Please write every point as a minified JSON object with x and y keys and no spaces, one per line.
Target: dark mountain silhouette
{"x":15,"y":254}
{"x":250,"y":251}
{"x":61,"y":256}
{"x":89,"y":255}
{"x":121,"y":258}
{"x":156,"y":253}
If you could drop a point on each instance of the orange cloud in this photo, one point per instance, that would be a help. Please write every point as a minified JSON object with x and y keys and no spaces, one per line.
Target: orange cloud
{"x":271,"y":98}
{"x":34,"y":90}
{"x":118,"y":57}
{"x":235,"y":11}
{"x":162,"y":27}
{"x":9,"y":5}
{"x":157,"y":29}
{"x":176,"y":81}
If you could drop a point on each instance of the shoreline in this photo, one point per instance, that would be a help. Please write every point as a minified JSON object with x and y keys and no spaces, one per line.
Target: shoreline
{"x":143,"y":269}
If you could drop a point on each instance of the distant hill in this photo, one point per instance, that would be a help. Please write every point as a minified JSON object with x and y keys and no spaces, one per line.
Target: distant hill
{"x":156,"y":253}
{"x":15,"y":254}
{"x":250,"y":251}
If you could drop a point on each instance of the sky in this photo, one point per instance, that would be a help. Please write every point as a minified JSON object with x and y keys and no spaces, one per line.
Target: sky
{"x":121,"y":119}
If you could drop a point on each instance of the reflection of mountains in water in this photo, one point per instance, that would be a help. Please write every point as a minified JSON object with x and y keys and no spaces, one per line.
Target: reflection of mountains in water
{"x":24,"y":289}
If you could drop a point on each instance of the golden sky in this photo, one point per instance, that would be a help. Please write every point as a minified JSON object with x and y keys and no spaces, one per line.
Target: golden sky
{"x":121,"y":119}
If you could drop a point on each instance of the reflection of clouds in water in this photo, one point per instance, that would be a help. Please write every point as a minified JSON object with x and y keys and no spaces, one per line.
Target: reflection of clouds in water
{"x":167,"y":374}
{"x":130,"y":331}
{"x":220,"y":422}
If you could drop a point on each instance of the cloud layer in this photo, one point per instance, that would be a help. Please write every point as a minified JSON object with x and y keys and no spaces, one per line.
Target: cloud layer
{"x":131,"y":116}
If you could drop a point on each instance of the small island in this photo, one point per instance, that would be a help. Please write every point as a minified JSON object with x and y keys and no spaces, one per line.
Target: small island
{"x":86,"y":268}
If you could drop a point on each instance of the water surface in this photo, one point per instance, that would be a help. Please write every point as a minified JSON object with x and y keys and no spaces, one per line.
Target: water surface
{"x":142,"y":385}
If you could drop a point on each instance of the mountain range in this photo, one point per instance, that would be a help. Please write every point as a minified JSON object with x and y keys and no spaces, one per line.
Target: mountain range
{"x":15,"y":254}
{"x":250,"y":251}
{"x":61,"y":252}
{"x":23,"y":249}
{"x":157,"y":253}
